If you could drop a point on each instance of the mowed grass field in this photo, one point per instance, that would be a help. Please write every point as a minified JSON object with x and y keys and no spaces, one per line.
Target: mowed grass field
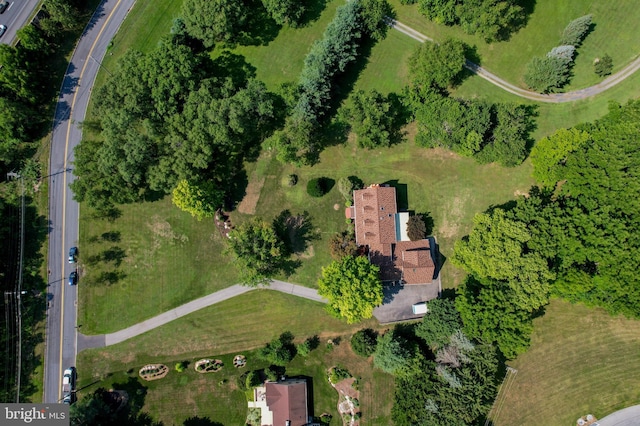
{"x":238,"y":325}
{"x":581,"y":361}
{"x":614,"y":34}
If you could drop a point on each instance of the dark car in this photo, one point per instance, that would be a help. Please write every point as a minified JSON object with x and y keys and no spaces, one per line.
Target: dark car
{"x":73,"y":278}
{"x":73,"y":254}
{"x":3,"y":6}
{"x":3,"y":29}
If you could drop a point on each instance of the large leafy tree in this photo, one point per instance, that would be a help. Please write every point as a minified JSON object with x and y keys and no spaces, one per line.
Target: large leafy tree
{"x":214,"y":20}
{"x":439,"y":66}
{"x":497,"y":248}
{"x":375,"y":119}
{"x":352,"y":286}
{"x":258,"y":250}
{"x":550,"y":154}
{"x":286,"y":12}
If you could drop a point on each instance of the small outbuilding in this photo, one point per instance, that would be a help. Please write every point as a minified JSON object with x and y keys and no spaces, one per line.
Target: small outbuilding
{"x":420,"y":308}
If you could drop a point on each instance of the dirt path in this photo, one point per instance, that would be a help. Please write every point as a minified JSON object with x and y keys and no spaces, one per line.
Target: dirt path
{"x":576,"y":95}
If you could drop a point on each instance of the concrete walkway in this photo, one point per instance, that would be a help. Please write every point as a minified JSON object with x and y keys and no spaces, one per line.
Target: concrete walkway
{"x":576,"y":95}
{"x":98,"y":341}
{"x":629,"y":416}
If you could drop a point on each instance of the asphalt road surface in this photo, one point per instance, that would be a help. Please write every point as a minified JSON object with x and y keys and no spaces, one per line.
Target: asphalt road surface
{"x":61,"y":335}
{"x":15,"y":17}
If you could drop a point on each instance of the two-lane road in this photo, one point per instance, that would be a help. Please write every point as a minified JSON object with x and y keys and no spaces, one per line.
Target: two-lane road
{"x":15,"y":17}
{"x":61,"y":336}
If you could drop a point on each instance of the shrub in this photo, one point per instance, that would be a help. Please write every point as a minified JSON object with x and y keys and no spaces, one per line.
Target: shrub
{"x":338,"y":373}
{"x":364,"y":342}
{"x":603,"y":66}
{"x":279,"y":351}
{"x":180,"y":367}
{"x":317,"y":187}
{"x":342,"y":245}
{"x":544,"y":74}
{"x":271,"y":374}
{"x":293,"y":180}
{"x":252,"y":380}
{"x":303,"y":348}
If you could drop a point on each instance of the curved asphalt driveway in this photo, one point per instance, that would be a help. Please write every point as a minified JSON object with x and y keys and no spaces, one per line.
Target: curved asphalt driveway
{"x":576,"y":95}
{"x":98,"y":341}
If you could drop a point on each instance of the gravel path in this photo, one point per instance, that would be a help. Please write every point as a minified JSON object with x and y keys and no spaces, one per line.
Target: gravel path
{"x":98,"y":341}
{"x":576,"y":95}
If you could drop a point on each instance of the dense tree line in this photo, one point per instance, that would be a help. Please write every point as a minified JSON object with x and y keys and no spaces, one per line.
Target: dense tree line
{"x":574,"y":238}
{"x":470,"y":127}
{"x":442,"y":377}
{"x":354,"y":24}
{"x":191,"y":121}
{"x":28,"y":79}
{"x":494,"y":20}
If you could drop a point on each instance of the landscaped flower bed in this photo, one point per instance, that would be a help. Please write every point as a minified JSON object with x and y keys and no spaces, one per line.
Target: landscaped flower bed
{"x":153,"y":371}
{"x":208,"y":365}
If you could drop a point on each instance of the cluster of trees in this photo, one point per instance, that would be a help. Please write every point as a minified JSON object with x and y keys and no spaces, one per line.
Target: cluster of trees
{"x":170,"y":120}
{"x":554,"y":70}
{"x":279,"y":351}
{"x":473,"y":128}
{"x":442,"y":377}
{"x":494,"y":20}
{"x":28,"y":78}
{"x":574,"y":237}
{"x":355,"y":23}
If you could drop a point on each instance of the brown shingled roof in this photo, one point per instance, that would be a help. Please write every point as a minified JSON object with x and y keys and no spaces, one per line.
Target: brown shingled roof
{"x":375,"y":209}
{"x":414,"y":259}
{"x":287,"y":401}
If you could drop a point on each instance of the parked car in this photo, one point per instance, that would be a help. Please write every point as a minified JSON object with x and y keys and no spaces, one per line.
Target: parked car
{"x":69,"y":386}
{"x":73,"y":254}
{"x":73,"y":278}
{"x":3,"y":6}
{"x":3,"y":29}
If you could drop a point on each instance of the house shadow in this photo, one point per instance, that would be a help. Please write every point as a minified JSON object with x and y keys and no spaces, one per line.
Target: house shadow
{"x":389,"y":291}
{"x":438,"y":258}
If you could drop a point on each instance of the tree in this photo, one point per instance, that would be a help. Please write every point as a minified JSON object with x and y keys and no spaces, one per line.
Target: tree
{"x":576,"y":31}
{"x":440,"y":323}
{"x":551,"y":153}
{"x":510,"y":136}
{"x":201,"y":199}
{"x":497,"y":249}
{"x":375,"y":119}
{"x":603,"y":66}
{"x":286,"y":12}
{"x":364,"y":342}
{"x":343,"y":244}
{"x":346,"y":186}
{"x":439,"y":66}
{"x":393,"y":353}
{"x":548,"y":73}
{"x":214,"y":20}
{"x":353,"y":288}
{"x":279,"y":351}
{"x":374,"y":15}
{"x":258,"y":251}
{"x":416,"y":228}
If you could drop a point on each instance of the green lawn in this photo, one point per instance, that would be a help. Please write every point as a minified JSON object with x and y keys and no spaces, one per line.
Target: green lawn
{"x":614,"y":33}
{"x":450,"y":187}
{"x":166,"y":258}
{"x":235,"y":326}
{"x":581,"y":361}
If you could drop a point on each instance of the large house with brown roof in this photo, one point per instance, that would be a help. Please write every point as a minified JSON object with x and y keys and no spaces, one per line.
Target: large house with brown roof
{"x":383,"y":231}
{"x":282,"y":403}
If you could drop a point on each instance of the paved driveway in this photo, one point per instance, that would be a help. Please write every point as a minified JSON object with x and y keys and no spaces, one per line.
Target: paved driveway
{"x":398,"y":300}
{"x":629,"y":416}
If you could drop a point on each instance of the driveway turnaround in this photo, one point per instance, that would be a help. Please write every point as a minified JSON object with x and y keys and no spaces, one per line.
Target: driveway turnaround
{"x":98,"y":341}
{"x":576,"y":95}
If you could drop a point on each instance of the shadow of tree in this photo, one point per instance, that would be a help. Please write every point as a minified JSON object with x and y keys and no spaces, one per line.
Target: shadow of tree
{"x":296,"y":231}
{"x":200,"y":421}
{"x":260,"y":28}
{"x":114,"y":254}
